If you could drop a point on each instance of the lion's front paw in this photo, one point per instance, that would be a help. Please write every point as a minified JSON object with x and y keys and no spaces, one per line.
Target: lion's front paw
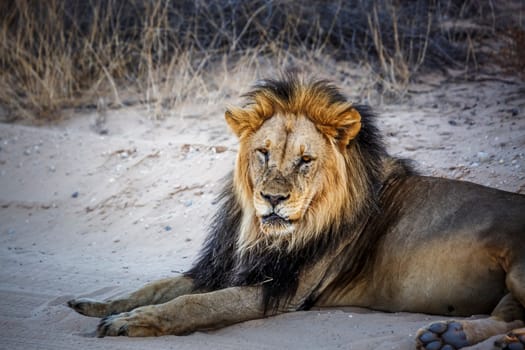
{"x":137,"y":323}
{"x":89,"y":307}
{"x":443,"y":335}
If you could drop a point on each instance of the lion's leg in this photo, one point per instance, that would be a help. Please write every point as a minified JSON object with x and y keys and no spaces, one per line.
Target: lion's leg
{"x":515,"y":282}
{"x":458,"y":334}
{"x":187,"y":313}
{"x":153,"y":293}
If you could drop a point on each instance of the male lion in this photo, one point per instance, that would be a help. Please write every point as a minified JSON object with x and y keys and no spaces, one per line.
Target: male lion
{"x":317,"y":213}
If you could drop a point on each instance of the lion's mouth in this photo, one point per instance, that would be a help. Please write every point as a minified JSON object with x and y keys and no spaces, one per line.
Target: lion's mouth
{"x":274,"y":219}
{"x":274,"y":224}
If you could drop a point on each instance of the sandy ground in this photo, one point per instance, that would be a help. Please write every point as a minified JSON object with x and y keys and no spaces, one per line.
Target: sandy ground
{"x":85,"y":214}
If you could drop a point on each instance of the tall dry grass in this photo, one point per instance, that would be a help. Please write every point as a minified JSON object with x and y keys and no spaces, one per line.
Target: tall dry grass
{"x":57,"y":54}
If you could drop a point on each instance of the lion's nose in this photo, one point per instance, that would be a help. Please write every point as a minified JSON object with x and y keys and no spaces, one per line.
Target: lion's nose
{"x":275,"y":199}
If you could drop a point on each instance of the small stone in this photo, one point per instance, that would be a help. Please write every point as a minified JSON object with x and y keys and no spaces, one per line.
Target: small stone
{"x":167,"y":228}
{"x":220,"y":149}
{"x":483,"y":157}
{"x":52,"y":168}
{"x":74,"y":195}
{"x":188,"y":203}
{"x":452,"y":122}
{"x":27,"y":152}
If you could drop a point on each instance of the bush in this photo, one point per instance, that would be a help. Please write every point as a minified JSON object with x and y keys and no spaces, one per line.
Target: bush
{"x":58,"y":54}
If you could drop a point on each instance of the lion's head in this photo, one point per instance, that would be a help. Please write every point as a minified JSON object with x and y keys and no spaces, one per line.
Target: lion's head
{"x":308,"y":176}
{"x":298,"y":169}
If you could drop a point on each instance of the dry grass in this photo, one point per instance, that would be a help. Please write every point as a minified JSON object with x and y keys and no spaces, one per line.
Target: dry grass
{"x":58,"y":54}
{"x":512,"y":55}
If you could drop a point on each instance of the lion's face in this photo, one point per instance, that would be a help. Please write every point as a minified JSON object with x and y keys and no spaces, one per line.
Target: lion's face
{"x":286,"y":156}
{"x":293,"y":167}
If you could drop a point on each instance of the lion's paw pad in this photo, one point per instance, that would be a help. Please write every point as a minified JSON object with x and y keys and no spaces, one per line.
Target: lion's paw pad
{"x":442,"y":336}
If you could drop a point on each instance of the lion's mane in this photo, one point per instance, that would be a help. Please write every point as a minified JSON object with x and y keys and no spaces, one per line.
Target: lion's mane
{"x":226,"y":260}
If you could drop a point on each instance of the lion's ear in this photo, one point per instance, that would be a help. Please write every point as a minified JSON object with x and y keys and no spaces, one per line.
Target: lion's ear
{"x":243,"y":121}
{"x":240,"y":121}
{"x":345,"y":128}
{"x":349,"y":127}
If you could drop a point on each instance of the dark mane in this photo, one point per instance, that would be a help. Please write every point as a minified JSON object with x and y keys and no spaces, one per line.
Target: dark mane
{"x":219,"y":265}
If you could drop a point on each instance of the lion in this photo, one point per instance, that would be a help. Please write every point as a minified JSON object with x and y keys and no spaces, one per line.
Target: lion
{"x":317,"y":213}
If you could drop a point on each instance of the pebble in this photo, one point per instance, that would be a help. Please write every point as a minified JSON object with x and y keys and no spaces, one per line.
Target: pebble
{"x":167,"y":228}
{"x":188,"y":203}
{"x":483,"y":157}
{"x":75,"y":194}
{"x":220,"y":149}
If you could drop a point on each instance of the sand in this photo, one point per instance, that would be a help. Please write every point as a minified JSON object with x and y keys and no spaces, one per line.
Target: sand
{"x":98,"y":211}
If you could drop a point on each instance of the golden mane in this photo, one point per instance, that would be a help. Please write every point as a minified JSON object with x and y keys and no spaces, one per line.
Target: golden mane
{"x":319,"y":101}
{"x":346,"y":175}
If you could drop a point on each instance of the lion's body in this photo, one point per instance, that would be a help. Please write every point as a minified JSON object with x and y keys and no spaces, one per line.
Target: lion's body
{"x":317,"y":213}
{"x":450,"y":261}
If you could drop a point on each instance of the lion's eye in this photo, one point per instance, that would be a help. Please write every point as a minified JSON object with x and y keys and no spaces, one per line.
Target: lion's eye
{"x":263,"y":152}
{"x":306,"y":159}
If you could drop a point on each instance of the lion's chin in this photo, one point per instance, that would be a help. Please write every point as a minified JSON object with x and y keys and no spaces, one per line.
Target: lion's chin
{"x":275,"y":225}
